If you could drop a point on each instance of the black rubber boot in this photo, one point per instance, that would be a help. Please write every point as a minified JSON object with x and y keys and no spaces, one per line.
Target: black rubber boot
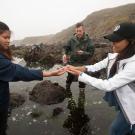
{"x":68,"y":93}
{"x":81,"y":98}
{"x":68,"y":86}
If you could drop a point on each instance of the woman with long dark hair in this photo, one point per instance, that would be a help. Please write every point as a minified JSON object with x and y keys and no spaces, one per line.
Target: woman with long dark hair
{"x":13,"y":72}
{"x":120,"y":83}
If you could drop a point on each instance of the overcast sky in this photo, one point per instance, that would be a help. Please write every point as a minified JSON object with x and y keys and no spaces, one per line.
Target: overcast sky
{"x":42,"y":17}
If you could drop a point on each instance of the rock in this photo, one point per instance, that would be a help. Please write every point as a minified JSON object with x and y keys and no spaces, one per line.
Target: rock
{"x":57,"y":111}
{"x":16,"y":100}
{"x":43,"y":55}
{"x":19,"y":51}
{"x":47,"y":56}
{"x":47,"y":93}
{"x":36,"y":113}
{"x":14,"y":119}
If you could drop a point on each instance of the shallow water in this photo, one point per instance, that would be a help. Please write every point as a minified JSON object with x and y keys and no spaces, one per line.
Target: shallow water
{"x":92,"y":117}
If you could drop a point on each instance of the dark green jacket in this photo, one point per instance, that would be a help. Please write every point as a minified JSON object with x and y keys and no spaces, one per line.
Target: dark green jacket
{"x":75,"y":44}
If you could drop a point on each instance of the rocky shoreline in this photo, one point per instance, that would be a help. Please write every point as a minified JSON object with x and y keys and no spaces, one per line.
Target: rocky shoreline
{"x":47,"y":56}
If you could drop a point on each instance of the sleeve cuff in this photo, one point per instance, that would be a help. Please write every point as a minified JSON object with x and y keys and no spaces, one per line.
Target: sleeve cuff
{"x":87,"y":68}
{"x":85,"y":78}
{"x":81,"y":76}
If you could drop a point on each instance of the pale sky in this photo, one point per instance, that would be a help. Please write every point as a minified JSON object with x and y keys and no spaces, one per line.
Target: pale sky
{"x":43,"y":17}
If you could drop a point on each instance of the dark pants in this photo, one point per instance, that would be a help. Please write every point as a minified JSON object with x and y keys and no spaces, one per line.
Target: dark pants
{"x":3,"y":121}
{"x":71,"y":78}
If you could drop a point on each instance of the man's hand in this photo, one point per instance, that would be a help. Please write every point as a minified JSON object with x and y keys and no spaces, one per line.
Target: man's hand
{"x":73,"y":71}
{"x":80,"y":52}
{"x":80,"y":68}
{"x":70,"y":67}
{"x":65,"y":59}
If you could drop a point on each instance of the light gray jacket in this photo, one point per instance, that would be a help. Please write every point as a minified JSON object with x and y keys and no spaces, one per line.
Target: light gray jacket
{"x":123,"y":83}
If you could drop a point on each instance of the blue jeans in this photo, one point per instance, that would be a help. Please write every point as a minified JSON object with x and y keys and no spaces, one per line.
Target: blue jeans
{"x":119,"y":126}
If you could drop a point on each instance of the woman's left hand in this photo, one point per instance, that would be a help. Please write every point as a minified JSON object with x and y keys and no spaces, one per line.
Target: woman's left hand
{"x":73,"y":71}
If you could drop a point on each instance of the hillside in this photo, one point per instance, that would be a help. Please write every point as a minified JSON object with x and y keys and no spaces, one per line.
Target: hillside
{"x":97,"y":24}
{"x":32,"y":40}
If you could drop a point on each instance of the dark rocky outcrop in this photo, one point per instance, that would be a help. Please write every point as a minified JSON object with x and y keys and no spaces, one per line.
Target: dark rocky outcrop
{"x":19,"y":51}
{"x":47,"y":93}
{"x":57,"y":111}
{"x":47,"y":56}
{"x":43,"y":55}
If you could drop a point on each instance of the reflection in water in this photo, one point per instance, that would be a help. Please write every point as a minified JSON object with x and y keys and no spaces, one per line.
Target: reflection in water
{"x":77,"y":120}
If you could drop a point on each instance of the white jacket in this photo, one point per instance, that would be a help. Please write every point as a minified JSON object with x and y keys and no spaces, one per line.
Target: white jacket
{"x":123,"y":83}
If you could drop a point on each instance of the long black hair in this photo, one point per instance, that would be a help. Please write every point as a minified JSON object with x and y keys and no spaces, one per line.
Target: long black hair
{"x":3,"y":27}
{"x":128,"y":52}
{"x":7,"y":53}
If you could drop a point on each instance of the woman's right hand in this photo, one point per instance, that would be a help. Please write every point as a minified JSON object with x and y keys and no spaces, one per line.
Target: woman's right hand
{"x":73,"y":71}
{"x":81,"y":68}
{"x":57,"y":72}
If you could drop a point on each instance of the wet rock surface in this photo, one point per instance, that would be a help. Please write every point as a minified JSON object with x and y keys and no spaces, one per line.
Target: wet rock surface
{"x":19,"y":51}
{"x":16,"y":100}
{"x":43,"y":55}
{"x":36,"y":113}
{"x":47,"y":93}
{"x":57,"y":111}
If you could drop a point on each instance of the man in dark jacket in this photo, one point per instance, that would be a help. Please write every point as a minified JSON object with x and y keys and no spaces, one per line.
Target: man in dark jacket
{"x":78,"y":51}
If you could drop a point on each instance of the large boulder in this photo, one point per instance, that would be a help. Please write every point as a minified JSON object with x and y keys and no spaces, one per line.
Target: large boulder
{"x":47,"y":93}
{"x":19,"y":51}
{"x":43,"y":55}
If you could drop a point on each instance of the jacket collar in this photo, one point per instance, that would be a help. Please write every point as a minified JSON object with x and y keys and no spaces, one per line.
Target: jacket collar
{"x":84,"y":38}
{"x":112,"y":56}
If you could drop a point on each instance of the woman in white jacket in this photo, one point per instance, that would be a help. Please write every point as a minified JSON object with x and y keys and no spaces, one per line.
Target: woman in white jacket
{"x":120,"y":83}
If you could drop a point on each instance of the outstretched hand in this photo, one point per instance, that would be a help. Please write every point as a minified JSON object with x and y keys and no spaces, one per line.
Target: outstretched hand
{"x":70,"y":67}
{"x":57,"y":72}
{"x":80,"y":52}
{"x":80,"y":68}
{"x":72,"y":71}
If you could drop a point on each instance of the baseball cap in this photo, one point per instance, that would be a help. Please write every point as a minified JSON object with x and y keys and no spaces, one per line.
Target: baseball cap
{"x":122,"y":31}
